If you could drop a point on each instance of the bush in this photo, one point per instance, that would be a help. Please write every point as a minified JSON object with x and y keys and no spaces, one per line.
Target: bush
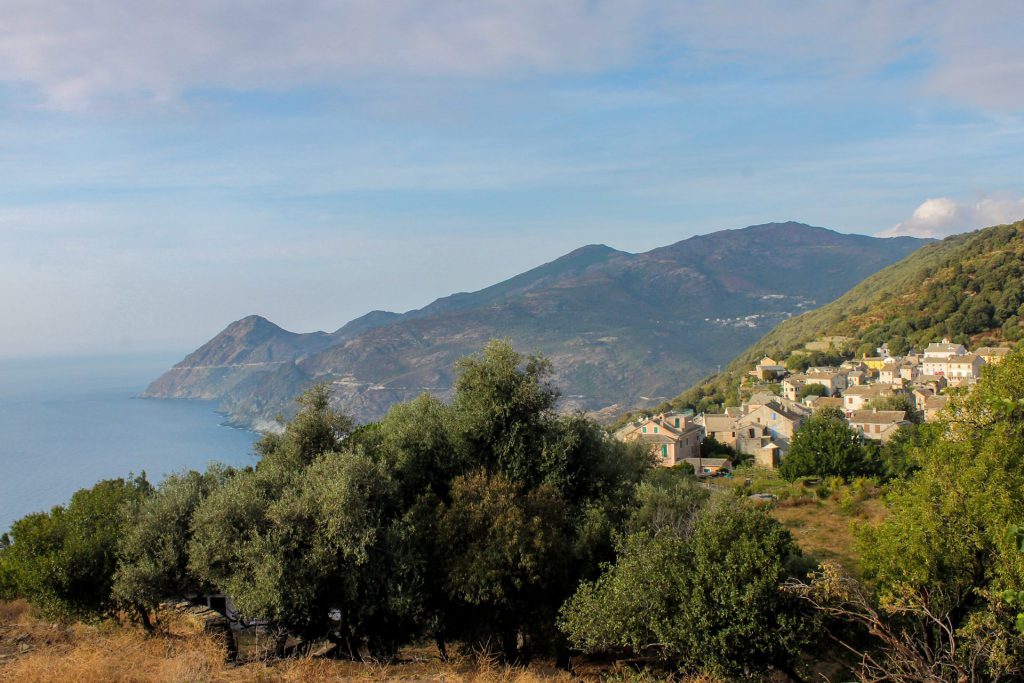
{"x":709,"y":602}
{"x":63,"y":561}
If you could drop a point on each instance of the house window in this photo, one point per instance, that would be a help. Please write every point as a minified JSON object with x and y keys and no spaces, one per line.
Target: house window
{"x":645,"y":430}
{"x":677,"y":422}
{"x":664,"y":451}
{"x":655,"y":430}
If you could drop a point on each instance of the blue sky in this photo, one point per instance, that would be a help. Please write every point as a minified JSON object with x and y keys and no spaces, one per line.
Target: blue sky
{"x":166,"y":168}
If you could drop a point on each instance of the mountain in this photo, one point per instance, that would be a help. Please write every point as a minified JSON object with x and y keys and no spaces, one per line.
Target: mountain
{"x":968,"y":287}
{"x":622,"y":329}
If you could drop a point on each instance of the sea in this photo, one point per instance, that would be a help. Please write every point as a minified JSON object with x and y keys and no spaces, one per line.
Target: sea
{"x":70,"y":422}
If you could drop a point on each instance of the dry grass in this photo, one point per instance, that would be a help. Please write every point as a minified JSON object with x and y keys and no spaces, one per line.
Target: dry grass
{"x":822,"y":526}
{"x":824,"y":530}
{"x":34,"y":651}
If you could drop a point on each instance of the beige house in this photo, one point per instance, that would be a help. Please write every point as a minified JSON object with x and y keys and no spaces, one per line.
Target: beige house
{"x":672,"y":437}
{"x":943,"y":350}
{"x":817,"y":403}
{"x":856,"y":378}
{"x":720,"y":426}
{"x":857,"y":398}
{"x":768,"y":370}
{"x":993,"y":354}
{"x":909,"y":371}
{"x":890,"y":374}
{"x":833,"y":380}
{"x":749,"y":438}
{"x":933,"y":405}
{"x":792,"y":385}
{"x":880,"y":425}
{"x":921,"y":395}
{"x":967,"y":366}
{"x":935,"y":382}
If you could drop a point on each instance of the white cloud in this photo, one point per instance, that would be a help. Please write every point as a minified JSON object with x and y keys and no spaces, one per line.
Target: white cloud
{"x":942,"y":216}
{"x":74,"y":54}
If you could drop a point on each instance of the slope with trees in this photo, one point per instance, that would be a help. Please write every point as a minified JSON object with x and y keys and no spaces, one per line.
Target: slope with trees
{"x":967,"y":287}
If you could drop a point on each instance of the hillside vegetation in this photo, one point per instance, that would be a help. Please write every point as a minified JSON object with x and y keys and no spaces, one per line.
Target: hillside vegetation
{"x":967,"y":287}
{"x":499,"y":530}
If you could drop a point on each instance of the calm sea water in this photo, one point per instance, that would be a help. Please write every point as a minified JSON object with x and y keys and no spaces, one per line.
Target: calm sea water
{"x":65,"y":424}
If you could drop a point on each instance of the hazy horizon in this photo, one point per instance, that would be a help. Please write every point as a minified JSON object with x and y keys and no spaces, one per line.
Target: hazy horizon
{"x":169,"y":168}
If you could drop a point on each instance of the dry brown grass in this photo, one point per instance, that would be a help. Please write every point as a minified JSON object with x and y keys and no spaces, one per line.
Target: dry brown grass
{"x":825,"y":531}
{"x":34,"y":651}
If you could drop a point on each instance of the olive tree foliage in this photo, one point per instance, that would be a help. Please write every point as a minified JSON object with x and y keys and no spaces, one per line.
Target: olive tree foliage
{"x":63,"y":561}
{"x":153,"y":549}
{"x":300,"y":540}
{"x":938,"y":566}
{"x":826,"y":446}
{"x":506,"y":503}
{"x":705,"y":601}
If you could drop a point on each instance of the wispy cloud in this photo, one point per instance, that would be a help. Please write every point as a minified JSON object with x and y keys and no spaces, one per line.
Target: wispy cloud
{"x":75,"y":55}
{"x":942,"y":216}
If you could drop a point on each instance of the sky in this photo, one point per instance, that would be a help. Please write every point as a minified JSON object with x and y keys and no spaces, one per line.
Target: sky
{"x":168,"y":167}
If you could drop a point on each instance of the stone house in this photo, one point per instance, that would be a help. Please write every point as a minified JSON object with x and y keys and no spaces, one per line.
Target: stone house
{"x":933,"y":405}
{"x":993,"y":354}
{"x":857,"y":398}
{"x":779,"y":422}
{"x":943,"y":350}
{"x":880,"y":425}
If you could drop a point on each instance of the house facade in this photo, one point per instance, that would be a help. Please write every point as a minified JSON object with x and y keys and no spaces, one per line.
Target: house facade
{"x":672,"y":437}
{"x":879,"y":425}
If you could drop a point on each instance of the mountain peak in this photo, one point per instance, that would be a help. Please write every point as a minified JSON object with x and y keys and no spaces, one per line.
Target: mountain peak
{"x":252,"y":323}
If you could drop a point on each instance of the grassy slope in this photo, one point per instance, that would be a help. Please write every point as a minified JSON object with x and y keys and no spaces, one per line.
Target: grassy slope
{"x":936,"y":291}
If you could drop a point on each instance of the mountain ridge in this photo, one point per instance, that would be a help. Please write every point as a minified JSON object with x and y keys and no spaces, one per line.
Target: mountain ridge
{"x":620,"y":328}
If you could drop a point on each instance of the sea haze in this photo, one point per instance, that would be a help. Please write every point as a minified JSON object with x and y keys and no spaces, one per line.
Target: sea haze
{"x":66,"y":424}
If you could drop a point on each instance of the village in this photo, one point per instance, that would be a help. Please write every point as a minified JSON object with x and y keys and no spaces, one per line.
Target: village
{"x":877,"y":395}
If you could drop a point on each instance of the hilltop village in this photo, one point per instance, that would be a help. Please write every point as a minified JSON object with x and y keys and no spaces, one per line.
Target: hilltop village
{"x":877,"y":395}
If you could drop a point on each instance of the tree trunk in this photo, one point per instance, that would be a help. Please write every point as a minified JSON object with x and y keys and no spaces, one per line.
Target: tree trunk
{"x":279,"y":644}
{"x":442,"y":648}
{"x":144,"y":618}
{"x":510,"y":645}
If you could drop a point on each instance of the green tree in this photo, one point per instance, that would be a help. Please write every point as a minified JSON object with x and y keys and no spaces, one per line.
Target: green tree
{"x":707,"y":602}
{"x":63,"y":561}
{"x":826,"y":446}
{"x":509,"y":440}
{"x":152,"y":550}
{"x":304,"y":540}
{"x":507,"y":547}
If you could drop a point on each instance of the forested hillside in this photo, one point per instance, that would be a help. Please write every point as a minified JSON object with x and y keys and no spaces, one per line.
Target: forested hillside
{"x":967,"y":287}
